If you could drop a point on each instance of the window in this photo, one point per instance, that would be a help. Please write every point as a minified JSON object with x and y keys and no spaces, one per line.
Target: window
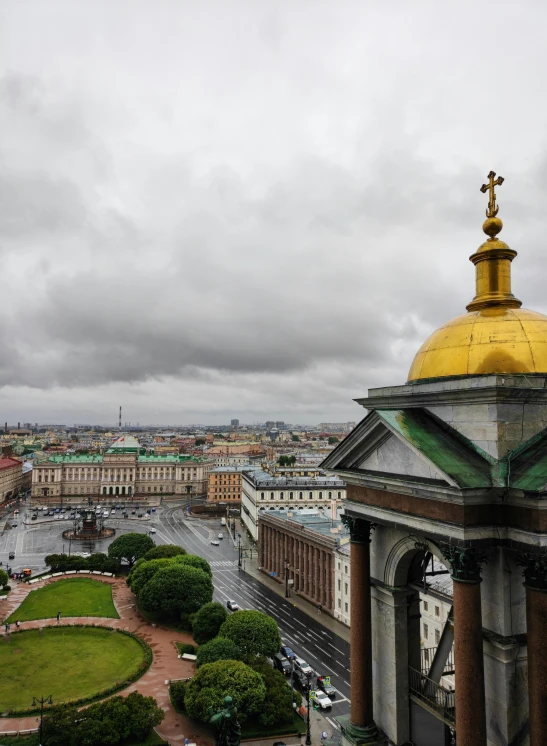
{"x":311,"y":495}
{"x":426,"y":605}
{"x":437,"y":637}
{"x":345,"y":569}
{"x":339,"y":604}
{"x":437,"y":611}
{"x":339,"y":584}
{"x":345,"y":588}
{"x":339,"y":495}
{"x":271,"y":495}
{"x":281,"y":495}
{"x":291,"y":495}
{"x":426,"y":632}
{"x":346,"y":607}
{"x":301,"y":495}
{"x":338,"y":565}
{"x":330,"y":495}
{"x":262,"y":496}
{"x":320,"y":495}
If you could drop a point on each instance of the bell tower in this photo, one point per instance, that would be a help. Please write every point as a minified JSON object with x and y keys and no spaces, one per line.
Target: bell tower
{"x":449,"y":471}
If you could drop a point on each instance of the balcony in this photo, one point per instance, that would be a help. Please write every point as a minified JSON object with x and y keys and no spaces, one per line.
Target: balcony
{"x":433,"y":696}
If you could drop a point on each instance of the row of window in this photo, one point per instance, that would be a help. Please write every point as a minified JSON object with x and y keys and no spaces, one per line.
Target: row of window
{"x":345,"y":586}
{"x":437,"y":608}
{"x":345,"y":568}
{"x":437,"y":634}
{"x":300,"y":496}
{"x":345,"y":606}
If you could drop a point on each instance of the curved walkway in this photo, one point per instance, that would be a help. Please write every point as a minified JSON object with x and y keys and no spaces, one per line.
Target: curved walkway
{"x":166,"y":665}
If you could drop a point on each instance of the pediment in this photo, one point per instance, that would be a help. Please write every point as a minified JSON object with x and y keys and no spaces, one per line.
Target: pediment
{"x":410,"y":444}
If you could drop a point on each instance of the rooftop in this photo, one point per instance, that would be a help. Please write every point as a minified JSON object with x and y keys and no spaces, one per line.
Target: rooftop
{"x":311,"y":521}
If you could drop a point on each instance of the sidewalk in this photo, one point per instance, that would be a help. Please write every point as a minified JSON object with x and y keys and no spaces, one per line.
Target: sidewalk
{"x":325,"y":620}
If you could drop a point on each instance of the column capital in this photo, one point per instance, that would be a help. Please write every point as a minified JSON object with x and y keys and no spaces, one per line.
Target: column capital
{"x":465,"y":561}
{"x":534,"y":566}
{"x":359,"y":529}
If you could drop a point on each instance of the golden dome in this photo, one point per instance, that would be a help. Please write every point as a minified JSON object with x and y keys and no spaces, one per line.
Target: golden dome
{"x":496,"y":336}
{"x":492,"y":340}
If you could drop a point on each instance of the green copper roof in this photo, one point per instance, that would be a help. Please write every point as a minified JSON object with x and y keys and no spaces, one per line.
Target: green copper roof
{"x":527,"y":469}
{"x":452,"y":454}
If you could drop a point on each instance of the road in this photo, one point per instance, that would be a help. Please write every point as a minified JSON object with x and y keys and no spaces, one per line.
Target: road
{"x":327,"y":653}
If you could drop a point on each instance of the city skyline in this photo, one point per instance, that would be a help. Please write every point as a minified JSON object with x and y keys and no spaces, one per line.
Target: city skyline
{"x":252,"y":208}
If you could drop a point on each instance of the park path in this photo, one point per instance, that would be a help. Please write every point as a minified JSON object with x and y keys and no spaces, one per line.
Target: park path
{"x":166,"y":665}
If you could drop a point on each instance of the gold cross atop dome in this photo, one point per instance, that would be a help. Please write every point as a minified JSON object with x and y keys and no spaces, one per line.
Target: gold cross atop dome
{"x":492,"y":209}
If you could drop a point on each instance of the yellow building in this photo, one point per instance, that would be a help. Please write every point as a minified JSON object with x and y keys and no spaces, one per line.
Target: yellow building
{"x":224,"y":484}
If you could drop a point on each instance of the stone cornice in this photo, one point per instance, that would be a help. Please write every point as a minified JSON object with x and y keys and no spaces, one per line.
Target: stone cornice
{"x":479,"y":389}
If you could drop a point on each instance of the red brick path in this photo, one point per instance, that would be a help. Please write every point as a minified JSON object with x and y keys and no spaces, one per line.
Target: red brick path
{"x":175,"y":728}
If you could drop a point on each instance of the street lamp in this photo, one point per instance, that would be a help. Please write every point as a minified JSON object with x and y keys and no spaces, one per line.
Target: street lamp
{"x":308,"y":734}
{"x":239,"y":551}
{"x":42,"y":701}
{"x":292,"y":689}
{"x":287,"y":594}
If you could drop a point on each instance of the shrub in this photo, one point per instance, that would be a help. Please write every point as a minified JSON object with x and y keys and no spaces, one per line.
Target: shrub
{"x":164,"y":551}
{"x":208,"y":621}
{"x":176,"y":590}
{"x":185,"y":647}
{"x":177,"y":691}
{"x":213,"y":681}
{"x":254,"y":632}
{"x":219,"y":649}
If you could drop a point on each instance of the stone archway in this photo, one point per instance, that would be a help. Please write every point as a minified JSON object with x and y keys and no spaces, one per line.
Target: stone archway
{"x":399,"y":637}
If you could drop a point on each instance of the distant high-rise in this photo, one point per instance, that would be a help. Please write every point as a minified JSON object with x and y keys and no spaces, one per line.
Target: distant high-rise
{"x":270,"y":424}
{"x":234,"y":423}
{"x":280,"y":424}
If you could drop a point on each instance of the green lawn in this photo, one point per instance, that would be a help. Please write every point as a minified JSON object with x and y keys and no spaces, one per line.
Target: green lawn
{"x":72,"y":597}
{"x":152,"y":740}
{"x":66,"y":662}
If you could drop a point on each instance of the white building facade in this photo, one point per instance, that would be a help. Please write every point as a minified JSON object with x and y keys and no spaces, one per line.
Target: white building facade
{"x":260,"y":492}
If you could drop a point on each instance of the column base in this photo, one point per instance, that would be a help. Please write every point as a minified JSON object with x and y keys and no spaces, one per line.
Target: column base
{"x":354,"y":735}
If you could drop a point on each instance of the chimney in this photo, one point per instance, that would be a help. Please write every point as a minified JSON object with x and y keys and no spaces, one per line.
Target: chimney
{"x":333,"y":507}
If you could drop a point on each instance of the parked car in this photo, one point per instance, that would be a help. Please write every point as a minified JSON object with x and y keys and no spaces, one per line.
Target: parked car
{"x":220,"y":536}
{"x":322,"y":700}
{"x":328,"y":688}
{"x":300,"y":682}
{"x":215,"y":543}
{"x":281,"y":664}
{"x":287,"y":651}
{"x":232,"y":606}
{"x":301,"y":665}
{"x":139,"y":515}
{"x":34,"y":517}
{"x":133,"y":512}
{"x":152,"y":531}
{"x":14,"y":524}
{"x":11,"y":555}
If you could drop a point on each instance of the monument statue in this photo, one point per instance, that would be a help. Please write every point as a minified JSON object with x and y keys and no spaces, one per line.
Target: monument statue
{"x":227,"y":728}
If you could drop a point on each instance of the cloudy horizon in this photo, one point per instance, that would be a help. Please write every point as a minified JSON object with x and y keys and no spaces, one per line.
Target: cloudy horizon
{"x":252,"y":209}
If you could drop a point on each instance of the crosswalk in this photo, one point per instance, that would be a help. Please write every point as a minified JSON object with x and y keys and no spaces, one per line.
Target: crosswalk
{"x":221,"y":563}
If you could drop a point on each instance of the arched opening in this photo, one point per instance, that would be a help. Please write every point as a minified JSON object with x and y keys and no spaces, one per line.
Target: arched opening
{"x":111,"y":490}
{"x":117,"y":491}
{"x":122,"y":492}
{"x":424,"y":639}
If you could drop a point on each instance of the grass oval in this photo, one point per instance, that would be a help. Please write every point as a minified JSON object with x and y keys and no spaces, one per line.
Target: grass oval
{"x":73,"y":597}
{"x":66,"y":662}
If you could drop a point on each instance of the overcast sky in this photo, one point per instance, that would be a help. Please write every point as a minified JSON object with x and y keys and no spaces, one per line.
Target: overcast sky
{"x":253,"y":209}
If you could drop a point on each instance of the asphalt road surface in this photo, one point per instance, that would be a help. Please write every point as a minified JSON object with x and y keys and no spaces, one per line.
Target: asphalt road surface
{"x":327,"y":653}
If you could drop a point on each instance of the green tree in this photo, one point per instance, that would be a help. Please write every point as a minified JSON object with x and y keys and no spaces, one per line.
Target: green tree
{"x":195,"y":561}
{"x":144,"y":714}
{"x":208,"y":621}
{"x":200,"y":441}
{"x":277,"y":707}
{"x":59,"y":726}
{"x":176,"y":590}
{"x":254,"y":632}
{"x":163,"y":551}
{"x":214,"y":681}
{"x":130,"y":547}
{"x":142,"y":572}
{"x":332,"y":440}
{"x":295,"y":438}
{"x":219,"y":649}
{"x":4,"y":579}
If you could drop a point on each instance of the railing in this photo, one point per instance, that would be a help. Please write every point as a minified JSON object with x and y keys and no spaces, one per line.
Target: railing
{"x":426,"y":659}
{"x":437,"y":697}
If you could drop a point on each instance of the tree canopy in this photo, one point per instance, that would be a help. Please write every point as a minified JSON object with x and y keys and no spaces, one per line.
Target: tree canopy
{"x":208,"y":621}
{"x":163,"y":551}
{"x":4,"y":579}
{"x":277,"y":707}
{"x":254,"y":632}
{"x":195,"y":561}
{"x":333,"y":439}
{"x":176,"y":590}
{"x":214,"y":681}
{"x":144,"y":571}
{"x":130,"y":547}
{"x":104,"y":724}
{"x":219,"y":649}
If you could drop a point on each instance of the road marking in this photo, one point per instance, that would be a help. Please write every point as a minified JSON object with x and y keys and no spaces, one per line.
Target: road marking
{"x":339,"y":701}
{"x":346,"y":682}
{"x":333,"y":725}
{"x":334,"y":646}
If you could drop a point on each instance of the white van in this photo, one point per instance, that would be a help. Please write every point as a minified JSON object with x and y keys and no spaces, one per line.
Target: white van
{"x":223,"y":521}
